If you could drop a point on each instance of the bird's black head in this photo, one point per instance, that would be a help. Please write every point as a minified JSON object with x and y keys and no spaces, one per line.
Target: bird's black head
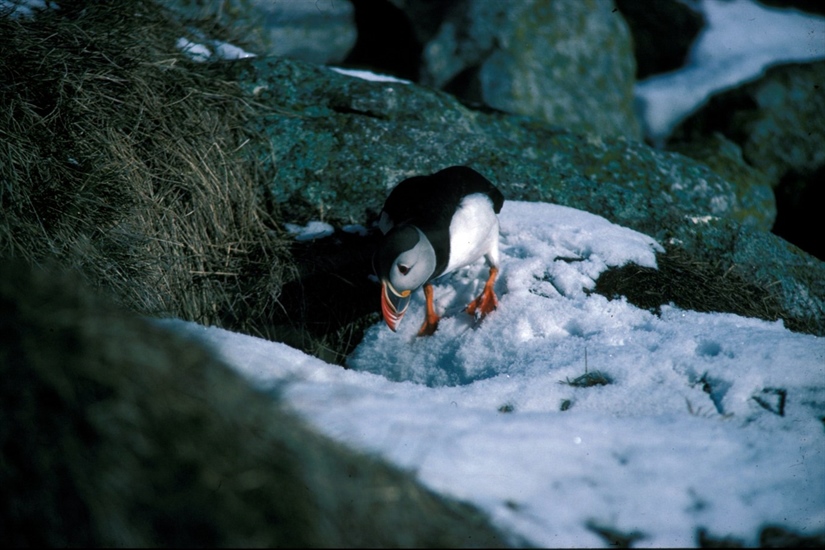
{"x":404,"y":261}
{"x":399,"y":240}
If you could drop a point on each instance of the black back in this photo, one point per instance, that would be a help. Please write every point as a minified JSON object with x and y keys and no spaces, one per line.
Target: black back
{"x":429,"y":202}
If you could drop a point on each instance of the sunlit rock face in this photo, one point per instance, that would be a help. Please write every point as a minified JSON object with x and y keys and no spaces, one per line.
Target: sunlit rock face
{"x":320,"y":32}
{"x":568,"y":63}
{"x":340,"y":143}
{"x":778,"y":124}
{"x":337,"y":144}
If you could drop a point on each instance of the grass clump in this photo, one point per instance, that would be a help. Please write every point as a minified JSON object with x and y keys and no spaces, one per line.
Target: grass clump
{"x":122,"y":159}
{"x":692,"y":284}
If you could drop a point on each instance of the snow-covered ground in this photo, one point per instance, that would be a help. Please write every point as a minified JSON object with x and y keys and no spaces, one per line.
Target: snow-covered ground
{"x":694,"y":420}
{"x":740,"y":41}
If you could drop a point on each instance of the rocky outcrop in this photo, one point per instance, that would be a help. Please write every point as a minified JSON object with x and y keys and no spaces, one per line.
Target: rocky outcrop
{"x":753,"y":187}
{"x":565,"y":62}
{"x":319,"y":32}
{"x":778,"y":124}
{"x":341,"y":142}
{"x":778,"y":120}
{"x":116,"y":432}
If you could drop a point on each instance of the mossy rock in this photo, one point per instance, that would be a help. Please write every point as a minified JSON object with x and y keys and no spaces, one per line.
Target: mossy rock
{"x":117,"y":432}
{"x":566,"y":62}
{"x":343,"y":142}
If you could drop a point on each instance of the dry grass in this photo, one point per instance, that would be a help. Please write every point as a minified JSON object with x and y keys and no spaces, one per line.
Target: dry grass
{"x":690,"y":284}
{"x":123,"y":160}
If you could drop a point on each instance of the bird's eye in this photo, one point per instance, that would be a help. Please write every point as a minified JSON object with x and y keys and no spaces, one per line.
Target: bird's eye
{"x":403,"y":269}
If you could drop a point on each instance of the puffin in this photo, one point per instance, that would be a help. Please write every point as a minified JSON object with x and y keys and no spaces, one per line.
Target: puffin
{"x":433,"y":225}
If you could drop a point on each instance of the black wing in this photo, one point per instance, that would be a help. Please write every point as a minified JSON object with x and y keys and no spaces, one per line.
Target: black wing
{"x":430,"y":201}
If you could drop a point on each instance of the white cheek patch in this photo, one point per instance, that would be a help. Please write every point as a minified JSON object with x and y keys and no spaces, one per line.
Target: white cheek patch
{"x":473,"y":232}
{"x":420,"y":260}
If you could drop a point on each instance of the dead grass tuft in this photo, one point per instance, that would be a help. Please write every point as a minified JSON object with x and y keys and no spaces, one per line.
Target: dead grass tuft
{"x":694,"y":285}
{"x":124,"y":160}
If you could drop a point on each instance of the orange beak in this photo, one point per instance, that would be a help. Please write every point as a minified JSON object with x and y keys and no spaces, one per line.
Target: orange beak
{"x":393,"y":304}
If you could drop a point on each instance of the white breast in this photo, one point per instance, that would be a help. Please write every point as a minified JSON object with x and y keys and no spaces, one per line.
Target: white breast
{"x":473,"y":232}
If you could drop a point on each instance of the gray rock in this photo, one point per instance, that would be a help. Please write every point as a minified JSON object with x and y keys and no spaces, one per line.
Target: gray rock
{"x":337,"y":144}
{"x":778,"y":123}
{"x":340,"y":143}
{"x":752,"y":187}
{"x":778,"y":120}
{"x":566,"y":62}
{"x":319,"y":32}
{"x":116,"y":432}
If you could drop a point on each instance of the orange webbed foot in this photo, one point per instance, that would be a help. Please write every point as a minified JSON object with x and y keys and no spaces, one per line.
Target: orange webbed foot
{"x":428,"y":327}
{"x":431,"y":320}
{"x":487,"y":301}
{"x":483,"y":305}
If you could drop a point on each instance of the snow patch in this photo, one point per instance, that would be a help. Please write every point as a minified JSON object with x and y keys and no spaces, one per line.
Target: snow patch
{"x":741,"y":40}
{"x":562,"y":408}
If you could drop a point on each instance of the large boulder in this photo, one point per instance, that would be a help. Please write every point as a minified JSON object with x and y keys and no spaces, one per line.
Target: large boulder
{"x":319,"y":32}
{"x":778,"y":123}
{"x":777,"y":120}
{"x":566,"y":62}
{"x":115,"y":432}
{"x":342,"y":142}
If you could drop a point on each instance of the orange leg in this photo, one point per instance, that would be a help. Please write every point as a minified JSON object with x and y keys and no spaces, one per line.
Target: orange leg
{"x":431,"y":321}
{"x":487,"y":301}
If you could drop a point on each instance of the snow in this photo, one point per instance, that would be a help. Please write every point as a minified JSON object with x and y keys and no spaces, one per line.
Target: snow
{"x":22,"y":8}
{"x":225,"y":50}
{"x":368,"y":75}
{"x":200,"y":52}
{"x":310,"y":231}
{"x":355,"y":229}
{"x":741,"y":40}
{"x":686,"y":434}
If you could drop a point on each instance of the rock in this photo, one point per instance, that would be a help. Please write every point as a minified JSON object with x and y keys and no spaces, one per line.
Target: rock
{"x":752,"y":187}
{"x":116,"y":432}
{"x":565,"y":62}
{"x":340,"y":143}
{"x":319,"y":32}
{"x":778,"y":122}
{"x":662,"y":33}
